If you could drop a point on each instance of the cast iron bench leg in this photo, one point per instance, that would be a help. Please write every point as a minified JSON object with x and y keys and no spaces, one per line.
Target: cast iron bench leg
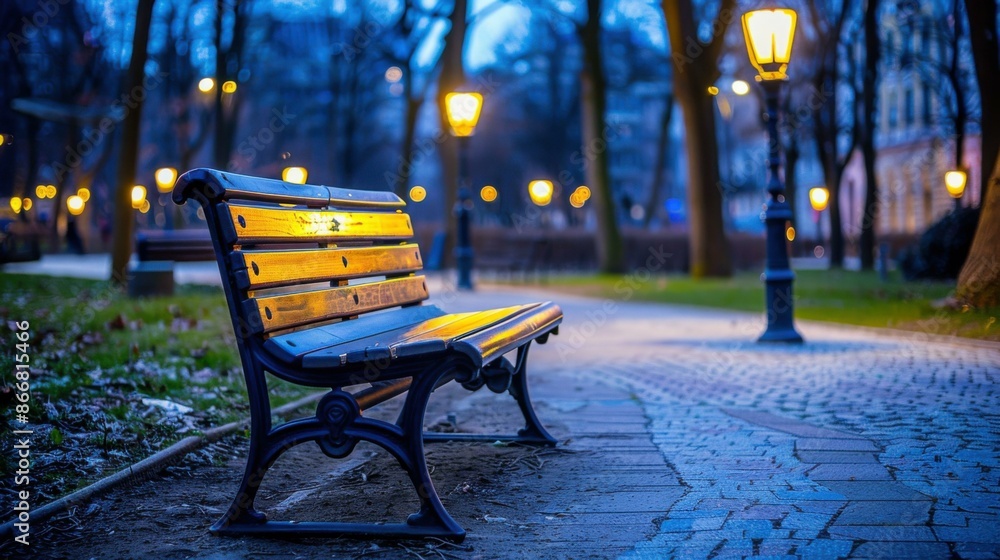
{"x":336,"y":428}
{"x":242,"y":511}
{"x":533,"y":433}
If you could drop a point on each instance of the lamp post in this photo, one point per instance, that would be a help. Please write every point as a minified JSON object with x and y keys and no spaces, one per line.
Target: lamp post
{"x":463,"y":114}
{"x":819,"y":198}
{"x":955,"y":181}
{"x":769,"y":34}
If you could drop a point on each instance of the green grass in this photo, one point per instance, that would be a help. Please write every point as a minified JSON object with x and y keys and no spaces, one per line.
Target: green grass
{"x":854,"y":298}
{"x":95,"y":354}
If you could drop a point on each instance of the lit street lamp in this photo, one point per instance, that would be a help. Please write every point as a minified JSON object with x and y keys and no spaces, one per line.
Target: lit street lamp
{"x":138,"y":196}
{"x":540,"y":192}
{"x":819,"y":198}
{"x":955,"y":181}
{"x":769,"y":35}
{"x":463,"y":114}
{"x":165,"y":177}
{"x":295,"y":175}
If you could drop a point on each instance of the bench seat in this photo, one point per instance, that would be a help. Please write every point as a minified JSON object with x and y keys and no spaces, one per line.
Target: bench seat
{"x":324,"y":290}
{"x":403,"y":333}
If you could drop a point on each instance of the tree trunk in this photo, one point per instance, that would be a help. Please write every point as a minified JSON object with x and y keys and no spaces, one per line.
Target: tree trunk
{"x":695,"y":69}
{"x":413,"y":105}
{"x":659,"y":173}
{"x":979,"y":280}
{"x":124,"y":214}
{"x":869,"y":95}
{"x":983,"y":31}
{"x":593,"y":97}
{"x":452,"y":76}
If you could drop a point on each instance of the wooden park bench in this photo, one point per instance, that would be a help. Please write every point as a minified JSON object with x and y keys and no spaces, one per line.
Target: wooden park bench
{"x":156,"y":252}
{"x":338,"y":305}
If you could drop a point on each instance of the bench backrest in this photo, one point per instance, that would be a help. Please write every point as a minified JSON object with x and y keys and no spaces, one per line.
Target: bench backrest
{"x":302,"y":255}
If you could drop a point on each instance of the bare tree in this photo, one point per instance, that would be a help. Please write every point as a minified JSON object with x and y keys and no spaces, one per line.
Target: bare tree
{"x":979,"y":280}
{"x":828,"y":21}
{"x":122,"y":248}
{"x":696,"y":68}
{"x":593,"y":98}
{"x":869,"y":89}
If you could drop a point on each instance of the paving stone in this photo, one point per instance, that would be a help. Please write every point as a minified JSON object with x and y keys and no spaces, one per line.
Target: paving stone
{"x":849,"y":471}
{"x":886,"y":533}
{"x":781,"y":423}
{"x":878,"y":491}
{"x":885,"y":513}
{"x":977,"y":550}
{"x":831,"y":444}
{"x":825,"y":457}
{"x":797,"y":520}
{"x":825,"y":548}
{"x":819,"y":495}
{"x":923,"y":550}
{"x":978,"y":530}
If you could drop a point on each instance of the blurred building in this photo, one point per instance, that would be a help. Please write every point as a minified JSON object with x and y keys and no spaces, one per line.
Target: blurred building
{"x":916,"y":139}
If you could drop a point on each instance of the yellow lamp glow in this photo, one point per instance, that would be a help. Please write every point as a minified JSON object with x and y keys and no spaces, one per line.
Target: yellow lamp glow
{"x":576,"y":201}
{"x":15,"y":204}
{"x":463,"y":112}
{"x":229,"y":87}
{"x":418,"y":193}
{"x":712,"y":90}
{"x":488,"y":193}
{"x":954,"y":181}
{"x":144,"y":207}
{"x":819,"y":198}
{"x":75,"y":205}
{"x":206,"y":85}
{"x":3,"y":139}
{"x":41,"y":191}
{"x":740,"y":87}
{"x":790,"y":233}
{"x":769,"y":35}
{"x":393,"y":74}
{"x":295,"y":175}
{"x":27,"y":204}
{"x":84,"y":194}
{"x":583,"y":192}
{"x":540,"y":192}
{"x":51,"y":191}
{"x":138,"y":196}
{"x":165,"y":177}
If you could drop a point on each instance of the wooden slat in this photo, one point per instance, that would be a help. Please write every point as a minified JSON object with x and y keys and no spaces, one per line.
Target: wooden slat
{"x":266,"y":269}
{"x":220,"y":185}
{"x":292,"y":346}
{"x":403,"y":341}
{"x":292,"y":310}
{"x":259,"y":224}
{"x":489,"y":344}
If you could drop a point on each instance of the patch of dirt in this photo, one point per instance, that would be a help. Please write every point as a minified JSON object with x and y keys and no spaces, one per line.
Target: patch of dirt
{"x":504,"y":496}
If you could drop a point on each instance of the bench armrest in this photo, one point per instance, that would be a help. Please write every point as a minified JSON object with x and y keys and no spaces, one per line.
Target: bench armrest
{"x":211,"y":186}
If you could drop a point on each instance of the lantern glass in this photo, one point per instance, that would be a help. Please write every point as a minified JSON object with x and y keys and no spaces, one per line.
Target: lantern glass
{"x":165,"y":177}
{"x":540,"y":192}
{"x":138,"y":196}
{"x":295,"y":175}
{"x":819,"y":198}
{"x":769,"y":35}
{"x":955,"y":181}
{"x":463,"y":112}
